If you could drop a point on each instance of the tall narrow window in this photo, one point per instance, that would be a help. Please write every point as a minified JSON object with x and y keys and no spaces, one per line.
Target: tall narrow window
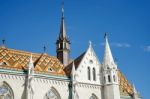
{"x":94,"y":74}
{"x":114,"y":78}
{"x":89,"y":73}
{"x":109,"y":80}
{"x":61,"y":45}
{"x":104,"y":79}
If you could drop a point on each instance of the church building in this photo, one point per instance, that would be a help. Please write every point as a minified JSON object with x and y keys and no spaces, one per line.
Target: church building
{"x":27,"y":75}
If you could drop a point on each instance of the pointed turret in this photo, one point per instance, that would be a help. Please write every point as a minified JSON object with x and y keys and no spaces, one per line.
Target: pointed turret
{"x":134,"y":89}
{"x":135,"y":93}
{"x":62,"y":34}
{"x":108,"y":58}
{"x":63,"y":43}
{"x":110,"y":74}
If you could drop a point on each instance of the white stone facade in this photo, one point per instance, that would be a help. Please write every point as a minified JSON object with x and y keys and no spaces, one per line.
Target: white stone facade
{"x":42,"y":85}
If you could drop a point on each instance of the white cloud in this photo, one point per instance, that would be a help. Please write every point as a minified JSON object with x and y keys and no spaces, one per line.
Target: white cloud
{"x":147,"y":48}
{"x":119,"y":45}
{"x":102,"y":44}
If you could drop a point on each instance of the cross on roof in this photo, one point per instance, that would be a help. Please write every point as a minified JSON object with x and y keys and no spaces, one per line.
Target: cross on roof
{"x":44,"y":48}
{"x":3,"y":41}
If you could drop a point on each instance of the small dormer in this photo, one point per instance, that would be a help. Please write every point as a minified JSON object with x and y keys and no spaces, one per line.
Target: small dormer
{"x":4,"y":63}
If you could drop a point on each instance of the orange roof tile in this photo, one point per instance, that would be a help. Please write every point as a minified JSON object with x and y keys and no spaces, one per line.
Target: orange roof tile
{"x":19,"y":60}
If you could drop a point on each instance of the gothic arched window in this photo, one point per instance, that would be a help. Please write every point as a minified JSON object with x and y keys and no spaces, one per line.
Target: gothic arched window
{"x":89,"y":73}
{"x":6,"y":91}
{"x":93,"y":96}
{"x":114,"y":78}
{"x":104,"y":79}
{"x":52,"y":94}
{"x":94,"y":74}
{"x":109,"y":80}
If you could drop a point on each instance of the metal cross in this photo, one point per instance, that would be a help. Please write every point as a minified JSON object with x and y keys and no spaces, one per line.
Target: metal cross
{"x":3,"y":41}
{"x":44,"y":48}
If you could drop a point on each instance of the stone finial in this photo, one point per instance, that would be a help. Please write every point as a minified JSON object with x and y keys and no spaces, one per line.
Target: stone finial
{"x":90,"y":44}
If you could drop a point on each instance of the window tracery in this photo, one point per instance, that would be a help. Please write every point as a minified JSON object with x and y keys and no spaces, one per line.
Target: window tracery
{"x":109,"y":79}
{"x":89,"y":73}
{"x":52,"y":94}
{"x":5,"y":91}
{"x":94,"y":74}
{"x":93,"y":96}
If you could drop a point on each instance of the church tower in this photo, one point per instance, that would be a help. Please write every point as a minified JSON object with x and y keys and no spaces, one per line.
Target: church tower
{"x":63,"y":43}
{"x":110,"y":74}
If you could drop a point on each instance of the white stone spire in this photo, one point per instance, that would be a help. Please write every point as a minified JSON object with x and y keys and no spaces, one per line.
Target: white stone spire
{"x":110,"y":74}
{"x":135,"y":93}
{"x":108,"y":58}
{"x":134,"y":89}
{"x":29,"y":80}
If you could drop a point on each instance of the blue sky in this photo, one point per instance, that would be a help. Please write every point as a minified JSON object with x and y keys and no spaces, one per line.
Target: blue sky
{"x":30,"y":24}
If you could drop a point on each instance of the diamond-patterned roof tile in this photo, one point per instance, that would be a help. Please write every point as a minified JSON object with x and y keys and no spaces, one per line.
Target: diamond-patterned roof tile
{"x":19,"y":60}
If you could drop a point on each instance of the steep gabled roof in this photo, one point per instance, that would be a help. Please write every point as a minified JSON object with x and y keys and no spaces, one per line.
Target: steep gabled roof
{"x":76,"y":63}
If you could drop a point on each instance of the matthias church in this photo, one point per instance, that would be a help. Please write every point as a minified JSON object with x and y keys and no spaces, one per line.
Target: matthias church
{"x":28,"y":75}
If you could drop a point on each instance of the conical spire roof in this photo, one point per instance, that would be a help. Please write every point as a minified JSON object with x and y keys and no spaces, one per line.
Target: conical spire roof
{"x":62,"y":34}
{"x":134,"y":89}
{"x":108,"y":58}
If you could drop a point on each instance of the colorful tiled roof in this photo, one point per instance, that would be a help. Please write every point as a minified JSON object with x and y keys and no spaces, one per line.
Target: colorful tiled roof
{"x":16,"y":59}
{"x":126,"y":89}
